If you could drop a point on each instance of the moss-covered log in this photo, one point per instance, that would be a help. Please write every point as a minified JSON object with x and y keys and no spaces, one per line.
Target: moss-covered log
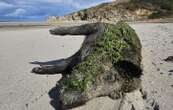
{"x":107,"y":64}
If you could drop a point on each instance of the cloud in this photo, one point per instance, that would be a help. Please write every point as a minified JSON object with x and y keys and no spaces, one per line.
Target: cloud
{"x":5,"y":5}
{"x":18,"y":12}
{"x":41,"y":9}
{"x":94,"y":3}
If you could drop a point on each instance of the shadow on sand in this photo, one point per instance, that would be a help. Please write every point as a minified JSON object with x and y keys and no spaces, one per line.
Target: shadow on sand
{"x":54,"y":92}
{"x":55,"y":102}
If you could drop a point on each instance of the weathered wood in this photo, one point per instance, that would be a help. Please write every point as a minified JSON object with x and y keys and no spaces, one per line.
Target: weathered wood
{"x":107,"y":64}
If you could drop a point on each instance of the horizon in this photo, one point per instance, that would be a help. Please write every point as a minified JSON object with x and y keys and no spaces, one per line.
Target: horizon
{"x":40,"y":10}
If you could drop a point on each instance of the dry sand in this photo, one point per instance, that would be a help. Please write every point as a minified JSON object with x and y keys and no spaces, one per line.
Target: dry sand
{"x":157,"y":42}
{"x":22,"y":90}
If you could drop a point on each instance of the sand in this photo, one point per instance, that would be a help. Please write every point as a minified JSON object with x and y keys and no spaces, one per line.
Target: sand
{"x":157,"y":42}
{"x":22,"y":90}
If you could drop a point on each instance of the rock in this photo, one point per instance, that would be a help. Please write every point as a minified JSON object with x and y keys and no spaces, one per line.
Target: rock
{"x":144,"y":94}
{"x":154,"y":104}
{"x":170,"y":70}
{"x":169,"y":59}
{"x":170,"y":74}
{"x":107,"y":64}
{"x":158,"y":69}
{"x":161,"y":72}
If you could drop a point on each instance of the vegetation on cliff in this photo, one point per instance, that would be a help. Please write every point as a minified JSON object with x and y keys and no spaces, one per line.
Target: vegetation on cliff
{"x":163,"y":8}
{"x":128,"y":10}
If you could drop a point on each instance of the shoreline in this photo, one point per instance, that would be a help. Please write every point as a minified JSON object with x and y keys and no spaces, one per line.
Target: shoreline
{"x":64,"y":23}
{"x":23,"y":24}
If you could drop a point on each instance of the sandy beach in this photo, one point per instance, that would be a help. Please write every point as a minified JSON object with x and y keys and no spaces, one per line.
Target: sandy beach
{"x":22,"y":90}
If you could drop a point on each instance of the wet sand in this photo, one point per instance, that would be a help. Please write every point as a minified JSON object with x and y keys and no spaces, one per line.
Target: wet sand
{"x":22,"y":90}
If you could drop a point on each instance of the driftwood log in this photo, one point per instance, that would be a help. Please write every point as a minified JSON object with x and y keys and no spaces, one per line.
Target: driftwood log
{"x":107,"y":64}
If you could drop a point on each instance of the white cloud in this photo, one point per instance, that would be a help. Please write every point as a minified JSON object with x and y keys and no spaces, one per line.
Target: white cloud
{"x":52,"y":1}
{"x":73,"y":3}
{"x":28,"y":3}
{"x":5,"y":5}
{"x":42,"y":8}
{"x":18,"y":12}
{"x":96,"y":3}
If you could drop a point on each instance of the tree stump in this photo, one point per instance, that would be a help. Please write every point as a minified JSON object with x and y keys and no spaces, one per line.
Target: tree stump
{"x":107,"y":64}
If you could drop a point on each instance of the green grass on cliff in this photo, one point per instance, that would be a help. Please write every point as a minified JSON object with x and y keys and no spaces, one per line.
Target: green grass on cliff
{"x":164,"y":8}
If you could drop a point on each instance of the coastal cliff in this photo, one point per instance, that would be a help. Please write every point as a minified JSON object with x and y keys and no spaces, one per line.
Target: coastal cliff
{"x":127,"y":10}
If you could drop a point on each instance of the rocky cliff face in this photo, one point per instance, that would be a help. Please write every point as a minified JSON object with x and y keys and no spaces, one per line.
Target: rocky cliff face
{"x":128,"y":10}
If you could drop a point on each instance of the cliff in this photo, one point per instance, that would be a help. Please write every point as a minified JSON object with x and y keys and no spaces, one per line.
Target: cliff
{"x":128,"y":10}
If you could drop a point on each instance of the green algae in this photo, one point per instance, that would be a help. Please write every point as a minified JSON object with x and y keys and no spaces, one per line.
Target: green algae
{"x":114,"y":39}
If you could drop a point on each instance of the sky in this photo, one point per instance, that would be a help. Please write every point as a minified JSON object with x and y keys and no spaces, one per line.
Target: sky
{"x":39,"y":10}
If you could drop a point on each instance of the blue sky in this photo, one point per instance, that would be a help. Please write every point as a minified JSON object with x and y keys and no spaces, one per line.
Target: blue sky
{"x":36,"y":10}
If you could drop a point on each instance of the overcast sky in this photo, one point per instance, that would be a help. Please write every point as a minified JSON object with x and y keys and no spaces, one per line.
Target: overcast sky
{"x":39,"y":9}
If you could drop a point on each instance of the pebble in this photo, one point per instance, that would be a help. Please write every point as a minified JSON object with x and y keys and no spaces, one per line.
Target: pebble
{"x":26,"y":105}
{"x":144,"y":96}
{"x":161,"y":72}
{"x":153,"y":63}
{"x":156,"y":107}
{"x":169,"y":59}
{"x":158,"y":69}
{"x":170,"y":70}
{"x":161,"y":63}
{"x":170,"y":74}
{"x":133,"y":108}
{"x":154,"y":104}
